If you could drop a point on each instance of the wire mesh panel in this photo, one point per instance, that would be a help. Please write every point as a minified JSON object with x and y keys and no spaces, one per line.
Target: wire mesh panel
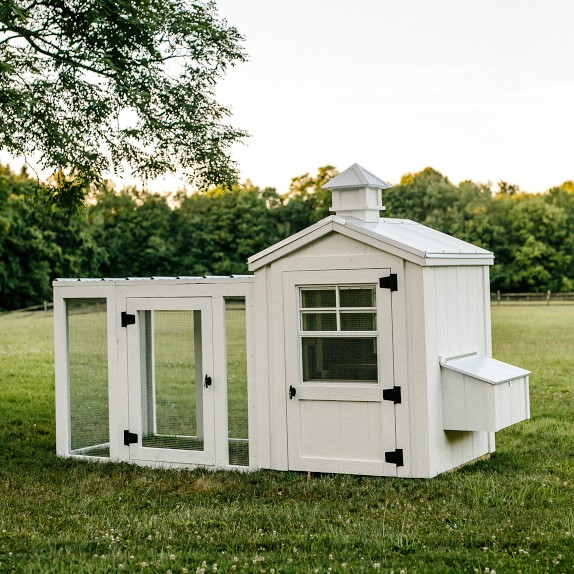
{"x":339,"y":359}
{"x":88,"y":376}
{"x":172,"y":391}
{"x":236,"y":339}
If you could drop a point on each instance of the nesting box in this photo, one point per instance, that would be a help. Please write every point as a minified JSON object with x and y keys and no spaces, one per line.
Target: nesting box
{"x":482,"y":394}
{"x":346,"y":351}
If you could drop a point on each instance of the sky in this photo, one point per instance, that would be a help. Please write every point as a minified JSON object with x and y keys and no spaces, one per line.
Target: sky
{"x":477,"y":89}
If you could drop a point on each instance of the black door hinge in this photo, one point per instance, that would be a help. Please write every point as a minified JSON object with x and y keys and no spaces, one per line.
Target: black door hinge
{"x":389,"y":282}
{"x":393,"y":394}
{"x":130,"y":437}
{"x":128,"y":319}
{"x":395,"y":457}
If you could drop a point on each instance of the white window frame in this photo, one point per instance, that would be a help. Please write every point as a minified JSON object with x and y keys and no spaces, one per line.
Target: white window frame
{"x":339,"y":333}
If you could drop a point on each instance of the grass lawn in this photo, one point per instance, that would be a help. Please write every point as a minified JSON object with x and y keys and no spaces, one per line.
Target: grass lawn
{"x":512,"y":513}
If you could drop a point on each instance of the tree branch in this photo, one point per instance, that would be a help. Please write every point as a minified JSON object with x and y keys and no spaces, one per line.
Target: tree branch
{"x":59,"y":55}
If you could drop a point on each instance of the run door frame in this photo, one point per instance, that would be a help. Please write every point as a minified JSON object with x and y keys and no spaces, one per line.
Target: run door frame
{"x":217,"y":289}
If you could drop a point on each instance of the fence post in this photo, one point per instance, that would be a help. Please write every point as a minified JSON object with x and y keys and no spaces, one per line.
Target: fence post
{"x":498,"y":297}
{"x":45,"y":306}
{"x":548,"y":298}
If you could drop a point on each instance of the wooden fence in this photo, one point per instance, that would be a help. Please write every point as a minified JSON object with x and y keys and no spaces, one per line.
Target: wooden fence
{"x":545,"y":298}
{"x":46,"y":306}
{"x":496,"y":298}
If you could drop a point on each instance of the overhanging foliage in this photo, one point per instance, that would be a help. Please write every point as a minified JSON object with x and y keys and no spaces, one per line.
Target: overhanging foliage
{"x":95,"y":86}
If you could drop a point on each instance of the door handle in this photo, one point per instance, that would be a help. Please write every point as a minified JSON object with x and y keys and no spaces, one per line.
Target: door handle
{"x":292,"y":391}
{"x":207,"y":381}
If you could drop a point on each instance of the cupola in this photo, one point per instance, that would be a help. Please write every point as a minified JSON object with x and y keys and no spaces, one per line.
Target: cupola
{"x":357,"y":193}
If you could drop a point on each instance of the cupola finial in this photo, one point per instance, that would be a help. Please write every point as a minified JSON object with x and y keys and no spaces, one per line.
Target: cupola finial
{"x":357,"y":193}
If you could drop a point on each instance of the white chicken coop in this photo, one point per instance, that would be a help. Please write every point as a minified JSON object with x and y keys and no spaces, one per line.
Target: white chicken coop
{"x":360,"y":345}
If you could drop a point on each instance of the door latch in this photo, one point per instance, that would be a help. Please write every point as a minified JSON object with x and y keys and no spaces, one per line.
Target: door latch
{"x":207,"y":381}
{"x":130,"y":438}
{"x":292,"y":391}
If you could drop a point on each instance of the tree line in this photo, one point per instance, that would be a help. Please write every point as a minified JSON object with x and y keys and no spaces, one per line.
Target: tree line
{"x":130,"y":232}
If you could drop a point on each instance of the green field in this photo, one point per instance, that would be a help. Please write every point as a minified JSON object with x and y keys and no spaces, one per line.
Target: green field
{"x":512,"y":513}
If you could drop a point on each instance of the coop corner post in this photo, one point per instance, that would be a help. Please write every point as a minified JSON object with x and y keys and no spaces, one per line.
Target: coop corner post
{"x":260,"y":335}
{"x":401,"y":372}
{"x":252,"y":417}
{"x":116,"y":375}
{"x":62,"y":385}
{"x":219,"y":389}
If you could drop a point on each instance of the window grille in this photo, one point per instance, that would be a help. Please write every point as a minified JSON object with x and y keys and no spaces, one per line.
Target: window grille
{"x":236,"y":343}
{"x":86,"y":342}
{"x":338,"y":331}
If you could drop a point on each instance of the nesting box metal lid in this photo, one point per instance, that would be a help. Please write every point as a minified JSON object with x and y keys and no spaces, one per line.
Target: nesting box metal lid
{"x":483,"y":368}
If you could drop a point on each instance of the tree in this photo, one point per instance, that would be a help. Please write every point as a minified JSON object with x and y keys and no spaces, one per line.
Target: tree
{"x":135,"y":231}
{"x":95,"y":86}
{"x":217,"y":231}
{"x":39,"y":243}
{"x":306,"y":201}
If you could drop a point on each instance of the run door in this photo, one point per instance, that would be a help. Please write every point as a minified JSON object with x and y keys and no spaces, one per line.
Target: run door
{"x":170,"y":372}
{"x":339,"y":363}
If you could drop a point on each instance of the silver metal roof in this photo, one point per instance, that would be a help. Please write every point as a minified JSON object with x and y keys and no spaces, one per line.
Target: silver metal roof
{"x":416,"y":238}
{"x":402,"y":237}
{"x":484,"y":368}
{"x":356,"y":176}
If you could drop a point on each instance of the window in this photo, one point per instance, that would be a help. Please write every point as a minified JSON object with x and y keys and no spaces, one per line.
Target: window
{"x":338,"y":331}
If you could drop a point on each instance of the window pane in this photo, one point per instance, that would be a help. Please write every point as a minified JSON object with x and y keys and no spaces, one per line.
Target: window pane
{"x":319,"y":322}
{"x":357,"y":297}
{"x":358,"y":322}
{"x":340,"y":359}
{"x":313,"y":298}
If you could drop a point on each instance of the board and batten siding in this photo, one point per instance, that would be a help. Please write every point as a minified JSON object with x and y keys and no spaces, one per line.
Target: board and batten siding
{"x":331,"y":252}
{"x":457,"y":319}
{"x":416,"y":385}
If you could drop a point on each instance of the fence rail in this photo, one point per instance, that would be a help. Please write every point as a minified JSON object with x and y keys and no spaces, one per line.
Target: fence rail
{"x":46,"y":306}
{"x":496,"y":298}
{"x":545,"y":298}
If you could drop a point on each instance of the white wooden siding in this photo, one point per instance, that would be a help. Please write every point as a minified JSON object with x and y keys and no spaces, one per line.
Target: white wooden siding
{"x":263,"y":368}
{"x":416,"y":388}
{"x":456,"y":321}
{"x":342,"y":430}
{"x":472,"y":404}
{"x":328,"y":253}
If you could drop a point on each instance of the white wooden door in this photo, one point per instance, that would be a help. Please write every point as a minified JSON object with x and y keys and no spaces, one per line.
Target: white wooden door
{"x":339,"y":360}
{"x":170,"y":372}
